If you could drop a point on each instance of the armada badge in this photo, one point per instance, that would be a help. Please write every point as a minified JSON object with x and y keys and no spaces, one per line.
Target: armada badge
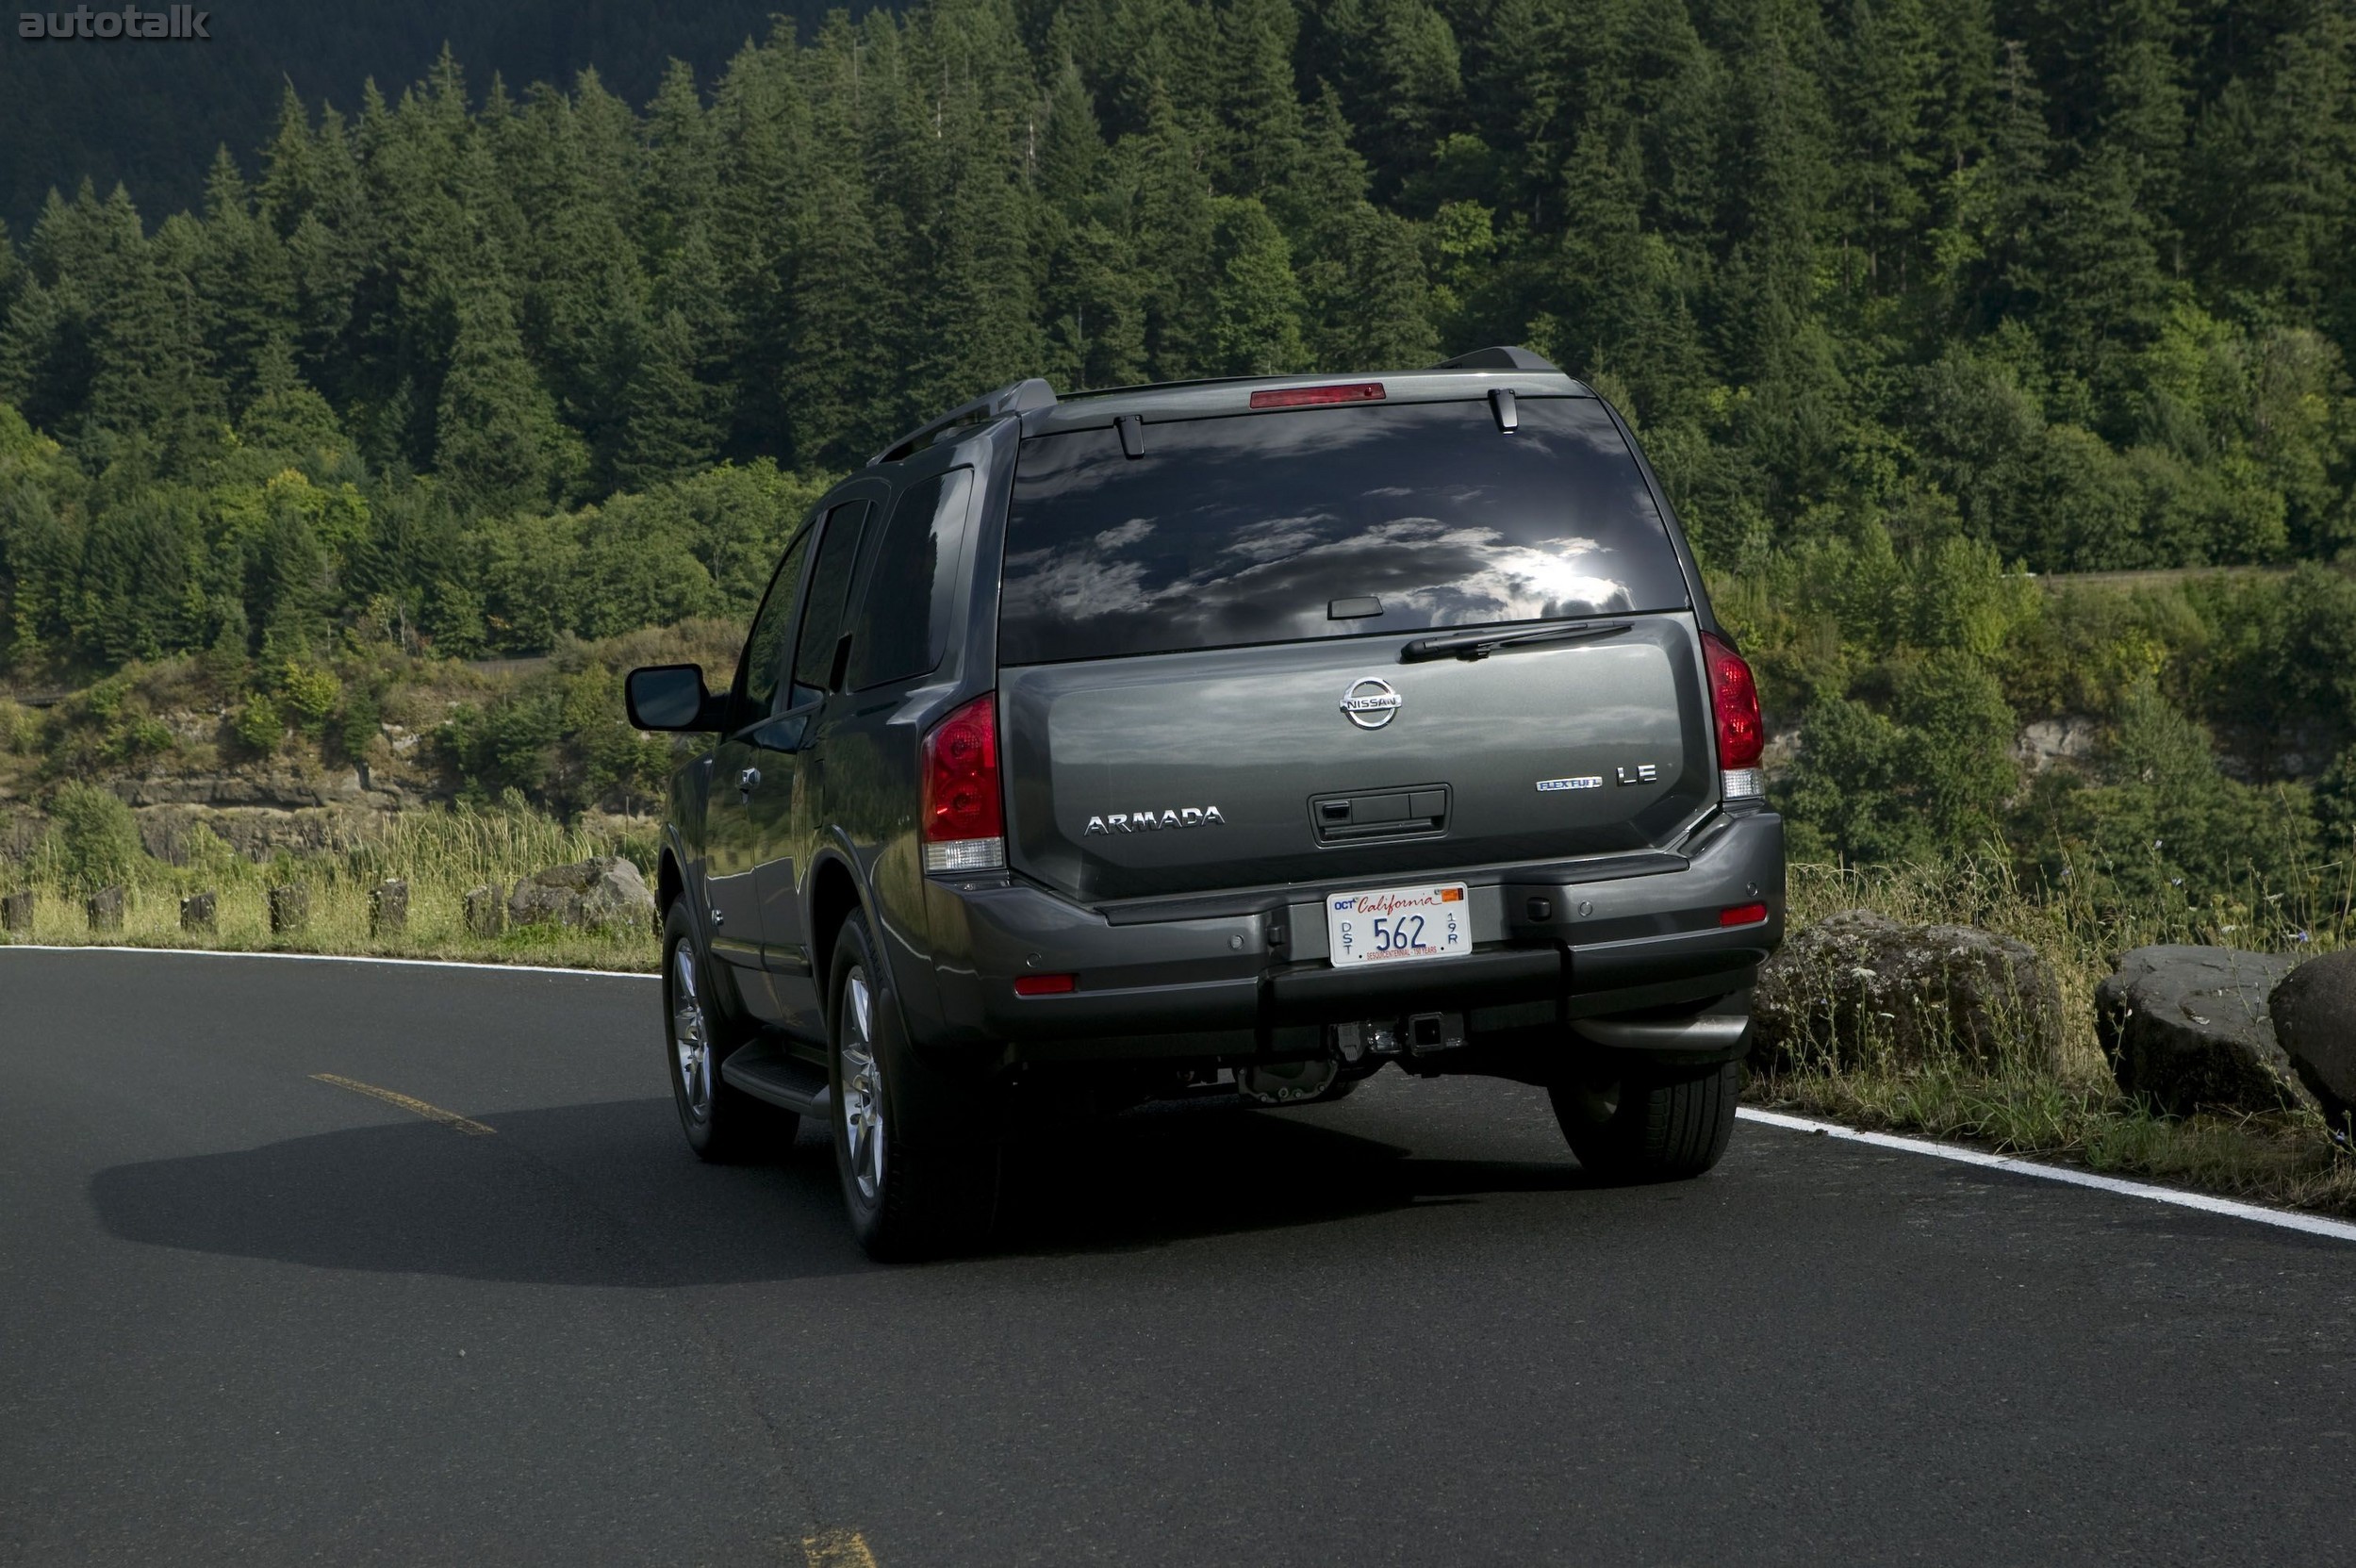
{"x":1154,"y":821}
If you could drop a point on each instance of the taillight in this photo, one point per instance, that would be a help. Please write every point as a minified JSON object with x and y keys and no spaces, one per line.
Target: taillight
{"x":964,"y":824}
{"x":1735,"y":704}
{"x":1304,"y":397}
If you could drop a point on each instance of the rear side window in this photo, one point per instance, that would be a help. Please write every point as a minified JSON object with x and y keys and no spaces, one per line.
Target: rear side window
{"x":829,"y":587}
{"x":1326,"y":523}
{"x":903,"y":626}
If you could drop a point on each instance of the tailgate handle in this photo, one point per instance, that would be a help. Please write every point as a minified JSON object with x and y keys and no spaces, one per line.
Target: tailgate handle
{"x":1385,"y":814}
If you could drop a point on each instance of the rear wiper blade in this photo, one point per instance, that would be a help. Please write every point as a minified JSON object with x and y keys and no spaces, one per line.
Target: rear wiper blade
{"x":1479,"y":645}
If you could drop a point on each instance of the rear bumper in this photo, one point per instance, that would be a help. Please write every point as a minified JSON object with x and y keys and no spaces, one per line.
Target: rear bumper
{"x":1561,"y":953}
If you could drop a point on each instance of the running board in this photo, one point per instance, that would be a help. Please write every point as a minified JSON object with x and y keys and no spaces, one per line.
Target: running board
{"x":769,"y":1072}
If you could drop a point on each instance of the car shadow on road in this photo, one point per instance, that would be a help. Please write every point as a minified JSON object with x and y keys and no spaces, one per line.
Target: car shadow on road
{"x":1170,"y":1174}
{"x":602,"y":1193}
{"x":606,"y":1194}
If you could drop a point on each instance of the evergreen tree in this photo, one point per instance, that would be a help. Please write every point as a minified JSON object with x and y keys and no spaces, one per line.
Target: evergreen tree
{"x":1174,"y":242}
{"x":285,"y":415}
{"x":1071,"y":147}
{"x":1255,"y":305}
{"x":244,"y":283}
{"x":682,"y":165}
{"x":2273,"y":199}
{"x":669,"y":422}
{"x":138,"y":571}
{"x":1259,"y":147}
{"x":499,"y":443}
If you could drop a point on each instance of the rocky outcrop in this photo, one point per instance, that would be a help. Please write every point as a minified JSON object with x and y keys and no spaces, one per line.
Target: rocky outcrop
{"x":2187,"y":1028}
{"x":2069,"y":738}
{"x":606,"y":893}
{"x":1859,"y":988}
{"x":280,"y":791}
{"x":2313,"y":1012}
{"x":256,"y":833}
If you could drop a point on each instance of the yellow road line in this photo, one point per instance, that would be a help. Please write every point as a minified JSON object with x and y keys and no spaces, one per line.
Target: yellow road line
{"x":451,"y":1119}
{"x":838,"y":1549}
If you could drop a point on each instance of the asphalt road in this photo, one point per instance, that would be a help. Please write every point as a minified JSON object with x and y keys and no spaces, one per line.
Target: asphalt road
{"x":250,"y":1316}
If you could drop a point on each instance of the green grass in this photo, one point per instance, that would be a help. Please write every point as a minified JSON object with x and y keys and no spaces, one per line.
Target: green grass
{"x":2071,"y":1109}
{"x":439,"y":854}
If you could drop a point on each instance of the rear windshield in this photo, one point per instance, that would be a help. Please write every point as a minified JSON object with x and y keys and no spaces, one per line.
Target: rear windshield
{"x":1326,"y":523}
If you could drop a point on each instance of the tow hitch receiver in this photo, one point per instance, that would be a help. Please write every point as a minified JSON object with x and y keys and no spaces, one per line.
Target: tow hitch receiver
{"x":1431,"y":1034}
{"x":1419,"y":1036}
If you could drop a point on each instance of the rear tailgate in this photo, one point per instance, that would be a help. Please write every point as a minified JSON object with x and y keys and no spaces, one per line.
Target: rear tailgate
{"x":1201,"y":680}
{"x":1189,"y":772}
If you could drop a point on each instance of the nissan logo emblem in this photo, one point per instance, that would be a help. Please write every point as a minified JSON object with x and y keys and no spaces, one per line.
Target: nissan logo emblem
{"x":1371,"y":703}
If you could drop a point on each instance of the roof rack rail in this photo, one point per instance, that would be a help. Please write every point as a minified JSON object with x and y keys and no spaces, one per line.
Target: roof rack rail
{"x":1502,"y":358}
{"x":1016,"y":397}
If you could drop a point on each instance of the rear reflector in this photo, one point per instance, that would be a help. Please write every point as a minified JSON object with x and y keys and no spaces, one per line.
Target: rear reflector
{"x":1742,"y":915}
{"x":1046,"y":985}
{"x":1302,"y":396}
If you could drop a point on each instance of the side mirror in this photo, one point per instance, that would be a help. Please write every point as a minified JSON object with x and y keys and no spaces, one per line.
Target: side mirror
{"x":668,"y":696}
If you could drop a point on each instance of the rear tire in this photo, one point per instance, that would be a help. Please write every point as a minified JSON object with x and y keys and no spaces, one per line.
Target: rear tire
{"x":723,"y":1125}
{"x":919,"y":1169}
{"x":1636,"y":1122}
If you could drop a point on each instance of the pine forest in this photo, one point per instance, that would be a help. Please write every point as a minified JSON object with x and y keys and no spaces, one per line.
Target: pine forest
{"x":1936,"y":315}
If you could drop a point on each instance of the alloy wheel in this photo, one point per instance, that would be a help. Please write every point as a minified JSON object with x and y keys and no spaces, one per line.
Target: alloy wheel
{"x":863,"y":1086}
{"x":691,"y":1035}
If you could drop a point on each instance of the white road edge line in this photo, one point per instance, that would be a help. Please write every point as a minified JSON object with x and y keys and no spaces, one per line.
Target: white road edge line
{"x":2313,"y":1225}
{"x":326,"y":958}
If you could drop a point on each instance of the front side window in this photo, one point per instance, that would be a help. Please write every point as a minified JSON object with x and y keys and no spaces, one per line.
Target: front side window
{"x":1325,"y":523}
{"x":764,"y":648}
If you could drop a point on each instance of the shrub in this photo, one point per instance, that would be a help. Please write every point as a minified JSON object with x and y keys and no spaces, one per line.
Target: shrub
{"x":19,"y":727}
{"x":258,"y":724}
{"x":97,"y":838}
{"x":309,"y":695}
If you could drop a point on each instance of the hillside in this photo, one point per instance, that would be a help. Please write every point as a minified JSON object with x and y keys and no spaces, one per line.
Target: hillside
{"x":1905,"y":300}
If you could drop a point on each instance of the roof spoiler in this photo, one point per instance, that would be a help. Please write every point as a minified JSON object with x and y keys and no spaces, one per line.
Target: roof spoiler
{"x":1498,"y":359}
{"x":1016,"y":397}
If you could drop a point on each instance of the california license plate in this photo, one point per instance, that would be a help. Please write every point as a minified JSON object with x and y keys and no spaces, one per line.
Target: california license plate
{"x":1398,"y":925}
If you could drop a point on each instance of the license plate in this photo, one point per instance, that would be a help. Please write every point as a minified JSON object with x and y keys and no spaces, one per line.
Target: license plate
{"x":1398,"y":925}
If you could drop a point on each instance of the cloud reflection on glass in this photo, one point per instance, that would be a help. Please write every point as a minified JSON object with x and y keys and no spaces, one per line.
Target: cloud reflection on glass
{"x":1243,"y":529}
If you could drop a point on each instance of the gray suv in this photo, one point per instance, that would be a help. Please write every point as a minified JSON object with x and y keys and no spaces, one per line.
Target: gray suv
{"x":1222,"y":738}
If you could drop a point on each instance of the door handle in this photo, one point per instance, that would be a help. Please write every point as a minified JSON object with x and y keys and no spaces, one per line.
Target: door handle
{"x":750,"y":779}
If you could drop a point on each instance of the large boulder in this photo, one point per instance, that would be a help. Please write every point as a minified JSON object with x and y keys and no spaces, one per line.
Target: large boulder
{"x":604,"y":893}
{"x":2313,"y":1012}
{"x":2186,"y":1027}
{"x":1859,"y":988}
